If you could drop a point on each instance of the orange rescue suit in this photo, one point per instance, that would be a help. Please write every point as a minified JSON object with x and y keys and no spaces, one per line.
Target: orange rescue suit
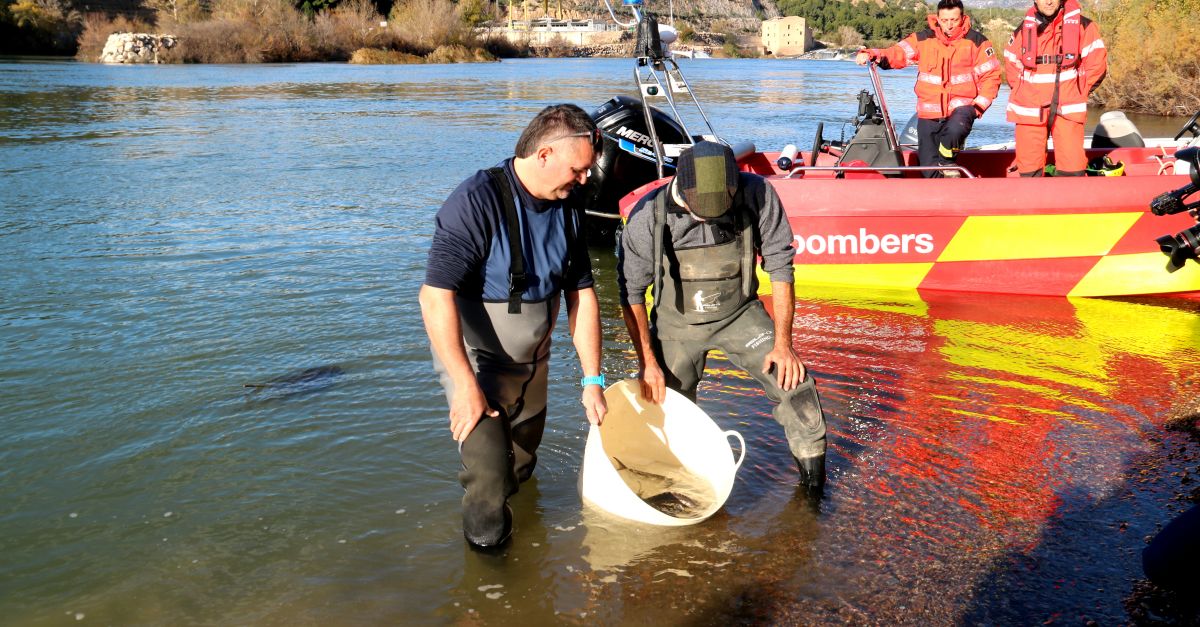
{"x":952,"y":71}
{"x":1033,"y":88}
{"x":1053,"y":65}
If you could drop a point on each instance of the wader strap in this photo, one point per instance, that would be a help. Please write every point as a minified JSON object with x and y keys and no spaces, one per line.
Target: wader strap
{"x":748,"y":256}
{"x":516,"y":259}
{"x":659,"y":207}
{"x":571,"y":227}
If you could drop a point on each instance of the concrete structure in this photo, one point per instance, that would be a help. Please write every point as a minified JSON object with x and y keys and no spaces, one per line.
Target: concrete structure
{"x":543,"y":31}
{"x":786,"y":36}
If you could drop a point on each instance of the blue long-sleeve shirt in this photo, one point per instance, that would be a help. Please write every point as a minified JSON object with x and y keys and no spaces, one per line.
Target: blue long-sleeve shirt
{"x":470,"y":249}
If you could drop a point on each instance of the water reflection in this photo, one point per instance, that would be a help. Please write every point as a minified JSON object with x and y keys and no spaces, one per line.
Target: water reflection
{"x":961,"y":426}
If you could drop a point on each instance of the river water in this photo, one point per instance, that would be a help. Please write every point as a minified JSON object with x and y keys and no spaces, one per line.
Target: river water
{"x":174,"y":234}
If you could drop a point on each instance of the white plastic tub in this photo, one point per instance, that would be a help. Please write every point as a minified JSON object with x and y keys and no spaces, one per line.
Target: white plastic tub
{"x":672,"y":439}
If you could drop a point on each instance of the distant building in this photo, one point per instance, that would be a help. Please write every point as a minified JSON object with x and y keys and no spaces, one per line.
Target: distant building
{"x":785,"y":36}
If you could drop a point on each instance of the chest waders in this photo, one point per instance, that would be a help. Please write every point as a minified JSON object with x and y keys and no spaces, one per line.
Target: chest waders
{"x":704,"y":298}
{"x":709,"y":283}
{"x":508,"y":346}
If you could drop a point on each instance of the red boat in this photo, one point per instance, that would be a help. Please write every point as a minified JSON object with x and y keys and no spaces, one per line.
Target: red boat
{"x":991,"y":232}
{"x":865,"y":216}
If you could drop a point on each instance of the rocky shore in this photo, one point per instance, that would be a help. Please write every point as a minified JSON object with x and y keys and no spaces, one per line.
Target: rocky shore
{"x":135,"y":48}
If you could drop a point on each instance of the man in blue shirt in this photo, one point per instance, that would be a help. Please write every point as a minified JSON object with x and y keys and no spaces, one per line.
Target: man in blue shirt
{"x":489,"y":312}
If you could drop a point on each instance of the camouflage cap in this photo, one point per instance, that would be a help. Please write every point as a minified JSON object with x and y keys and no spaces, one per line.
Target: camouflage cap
{"x":707,"y":177}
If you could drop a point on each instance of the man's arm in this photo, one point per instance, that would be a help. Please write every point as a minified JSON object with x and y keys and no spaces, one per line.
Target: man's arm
{"x":583,"y":320}
{"x":893,"y":57}
{"x":1094,"y":58}
{"x":650,"y":374}
{"x":789,"y":372}
{"x":777,"y":251}
{"x":635,"y":273}
{"x":469,"y":405}
{"x":987,"y":76}
{"x":1012,"y":61}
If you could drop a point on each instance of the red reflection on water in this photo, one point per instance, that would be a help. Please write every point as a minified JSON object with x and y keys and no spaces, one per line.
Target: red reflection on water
{"x":975,"y":404}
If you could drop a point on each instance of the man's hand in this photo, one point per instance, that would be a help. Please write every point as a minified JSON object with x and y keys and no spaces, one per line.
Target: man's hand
{"x":862,"y":57}
{"x":653,"y":384}
{"x":594,"y":404}
{"x":789,"y":372}
{"x":467,"y":408}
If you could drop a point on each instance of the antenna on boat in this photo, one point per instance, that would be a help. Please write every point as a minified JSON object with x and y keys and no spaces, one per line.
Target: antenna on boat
{"x":662,"y":79}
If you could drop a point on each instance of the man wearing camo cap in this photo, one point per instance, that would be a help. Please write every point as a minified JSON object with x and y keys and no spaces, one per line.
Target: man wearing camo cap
{"x":696,"y":240}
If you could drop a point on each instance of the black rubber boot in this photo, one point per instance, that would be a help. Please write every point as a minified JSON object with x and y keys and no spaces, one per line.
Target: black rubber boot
{"x":812,"y":476}
{"x":488,"y":479}
{"x":487,"y":541}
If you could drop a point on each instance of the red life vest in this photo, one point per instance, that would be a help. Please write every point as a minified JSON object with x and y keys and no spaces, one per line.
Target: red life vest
{"x":1068,"y":55}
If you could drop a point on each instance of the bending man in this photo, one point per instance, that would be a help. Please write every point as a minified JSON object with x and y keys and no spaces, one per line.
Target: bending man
{"x":958,"y":77}
{"x":696,"y":240}
{"x":507,"y":243}
{"x":1055,"y":59}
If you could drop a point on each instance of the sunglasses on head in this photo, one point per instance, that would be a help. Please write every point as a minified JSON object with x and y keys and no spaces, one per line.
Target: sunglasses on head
{"x":594,"y":136}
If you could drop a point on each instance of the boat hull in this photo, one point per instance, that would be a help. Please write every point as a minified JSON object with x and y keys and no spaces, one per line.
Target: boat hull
{"x":1084,"y":236}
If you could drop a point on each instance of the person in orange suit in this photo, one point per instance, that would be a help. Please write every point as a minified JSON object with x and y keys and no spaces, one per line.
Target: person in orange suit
{"x":1054,"y":60}
{"x":958,"y":77}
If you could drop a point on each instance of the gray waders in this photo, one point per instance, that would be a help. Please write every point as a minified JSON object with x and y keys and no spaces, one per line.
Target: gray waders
{"x":509,"y":354}
{"x":508,"y":346}
{"x":705,"y":298}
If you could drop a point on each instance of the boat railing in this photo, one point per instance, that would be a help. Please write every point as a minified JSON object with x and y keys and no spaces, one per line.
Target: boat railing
{"x":963,"y":172}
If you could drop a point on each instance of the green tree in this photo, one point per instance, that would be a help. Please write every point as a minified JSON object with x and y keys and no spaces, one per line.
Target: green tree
{"x":472,"y":12}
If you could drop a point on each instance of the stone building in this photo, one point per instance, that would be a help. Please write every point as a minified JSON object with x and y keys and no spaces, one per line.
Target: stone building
{"x":786,"y":36}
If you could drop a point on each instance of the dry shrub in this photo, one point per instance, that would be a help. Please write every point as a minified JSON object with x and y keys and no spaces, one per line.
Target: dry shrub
{"x":458,"y":53}
{"x":170,"y":13}
{"x":96,"y":29}
{"x":380,"y":56}
{"x":847,"y":37}
{"x":266,"y":31}
{"x":357,"y":24}
{"x":216,"y":41}
{"x":502,"y":48}
{"x":286,"y":33}
{"x":241,"y":10}
{"x":557,"y":47}
{"x":427,"y":24}
{"x":1153,"y":59}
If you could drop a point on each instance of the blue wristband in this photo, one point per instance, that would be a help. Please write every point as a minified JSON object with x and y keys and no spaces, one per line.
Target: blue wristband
{"x":596,"y":380}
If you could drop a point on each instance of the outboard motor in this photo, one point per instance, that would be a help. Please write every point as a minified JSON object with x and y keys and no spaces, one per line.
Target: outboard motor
{"x":1114,"y":130}
{"x":626,"y":161}
{"x":870,"y":142}
{"x":909,"y":137}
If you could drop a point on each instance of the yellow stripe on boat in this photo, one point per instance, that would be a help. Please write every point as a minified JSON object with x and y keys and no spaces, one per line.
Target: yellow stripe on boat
{"x":896,"y":276}
{"x":987,"y":238}
{"x":1141,"y":273}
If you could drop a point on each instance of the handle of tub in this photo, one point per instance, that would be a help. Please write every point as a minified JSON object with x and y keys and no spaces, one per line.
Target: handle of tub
{"x":741,"y":446}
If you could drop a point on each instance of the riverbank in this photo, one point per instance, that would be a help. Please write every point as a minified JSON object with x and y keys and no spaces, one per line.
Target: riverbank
{"x":1154,"y":62}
